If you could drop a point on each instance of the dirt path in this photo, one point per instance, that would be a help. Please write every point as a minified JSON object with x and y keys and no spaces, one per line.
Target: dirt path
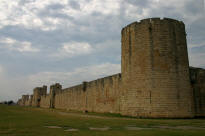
{"x":92,"y":116}
{"x":180,"y":127}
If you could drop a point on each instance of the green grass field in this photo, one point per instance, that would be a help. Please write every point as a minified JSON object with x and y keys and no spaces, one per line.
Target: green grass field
{"x":27,"y":121}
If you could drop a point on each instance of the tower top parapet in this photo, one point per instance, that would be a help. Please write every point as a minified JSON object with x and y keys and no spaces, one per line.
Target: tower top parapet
{"x":154,"y":20}
{"x":56,"y":85}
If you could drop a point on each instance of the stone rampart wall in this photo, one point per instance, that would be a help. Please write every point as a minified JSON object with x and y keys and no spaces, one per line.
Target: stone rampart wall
{"x":155,"y":69}
{"x":197,"y":76}
{"x":45,"y":101}
{"x":155,"y":79}
{"x":100,"y":95}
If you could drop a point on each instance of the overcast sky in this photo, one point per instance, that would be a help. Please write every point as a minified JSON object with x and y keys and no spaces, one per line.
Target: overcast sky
{"x":70,"y":41}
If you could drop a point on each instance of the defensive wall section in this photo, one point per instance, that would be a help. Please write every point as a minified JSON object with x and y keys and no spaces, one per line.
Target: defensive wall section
{"x":156,"y":80}
{"x":45,"y":101}
{"x":100,"y":95}
{"x":24,"y":100}
{"x":198,"y":84}
{"x":155,"y":69}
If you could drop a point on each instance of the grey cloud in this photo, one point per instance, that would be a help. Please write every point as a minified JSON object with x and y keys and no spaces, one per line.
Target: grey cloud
{"x":74,"y":4}
{"x":139,"y":3}
{"x":196,"y":31}
{"x":55,"y":6}
{"x":198,"y":49}
{"x":54,"y":12}
{"x":194,"y":7}
{"x":49,"y":42}
{"x":96,"y":14}
{"x":22,"y":2}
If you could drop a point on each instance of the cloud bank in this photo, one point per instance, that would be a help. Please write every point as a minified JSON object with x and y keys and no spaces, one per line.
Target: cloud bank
{"x":68,"y":41}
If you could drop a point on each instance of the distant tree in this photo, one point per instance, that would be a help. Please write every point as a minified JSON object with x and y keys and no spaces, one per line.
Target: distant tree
{"x":10,"y":102}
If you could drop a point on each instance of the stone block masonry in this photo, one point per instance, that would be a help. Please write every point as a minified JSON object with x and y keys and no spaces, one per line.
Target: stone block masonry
{"x":197,"y":76}
{"x":37,"y":93}
{"x":155,"y":80}
{"x":101,"y":95}
{"x":155,"y":69}
{"x":24,"y":100}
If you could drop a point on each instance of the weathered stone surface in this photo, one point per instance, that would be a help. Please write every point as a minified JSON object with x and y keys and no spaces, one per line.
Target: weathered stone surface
{"x":37,"y":93}
{"x":155,"y":80}
{"x":101,"y":95}
{"x":23,"y":101}
{"x":197,"y":76}
{"x":155,"y":70}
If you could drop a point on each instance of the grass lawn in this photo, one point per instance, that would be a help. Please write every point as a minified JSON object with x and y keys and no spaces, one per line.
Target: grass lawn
{"x":28,"y":121}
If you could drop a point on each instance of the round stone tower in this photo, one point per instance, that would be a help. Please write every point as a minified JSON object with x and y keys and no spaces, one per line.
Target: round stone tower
{"x":155,"y":70}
